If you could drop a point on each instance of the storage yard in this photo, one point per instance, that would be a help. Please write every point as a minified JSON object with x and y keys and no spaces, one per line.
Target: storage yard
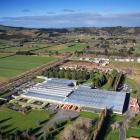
{"x":67,"y":95}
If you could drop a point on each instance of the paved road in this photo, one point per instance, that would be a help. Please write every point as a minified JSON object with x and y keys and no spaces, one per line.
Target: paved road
{"x":122,"y":135}
{"x":124,"y":123}
{"x":61,"y":115}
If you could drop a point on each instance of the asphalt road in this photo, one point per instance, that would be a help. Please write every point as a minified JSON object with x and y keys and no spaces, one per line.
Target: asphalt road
{"x":129,"y":115}
{"x":122,"y":131}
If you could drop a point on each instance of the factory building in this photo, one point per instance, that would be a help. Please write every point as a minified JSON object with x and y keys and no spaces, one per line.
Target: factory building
{"x":61,"y":91}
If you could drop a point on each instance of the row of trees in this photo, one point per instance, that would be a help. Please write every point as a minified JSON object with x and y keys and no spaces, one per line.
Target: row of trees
{"x":98,"y":79}
{"x":124,"y":52}
{"x":113,"y":79}
{"x":100,"y":125}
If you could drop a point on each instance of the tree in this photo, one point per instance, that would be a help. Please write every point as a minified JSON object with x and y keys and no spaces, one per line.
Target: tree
{"x":28,"y":132}
{"x":51,"y":74}
{"x":106,"y":51}
{"x":68,"y":74}
{"x":73,"y":74}
{"x":0,"y":134}
{"x":17,"y":135}
{"x":56,"y":52}
{"x":130,"y":50}
{"x":61,"y":73}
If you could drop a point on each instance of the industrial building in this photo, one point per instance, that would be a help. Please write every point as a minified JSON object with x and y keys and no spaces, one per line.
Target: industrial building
{"x":61,"y":91}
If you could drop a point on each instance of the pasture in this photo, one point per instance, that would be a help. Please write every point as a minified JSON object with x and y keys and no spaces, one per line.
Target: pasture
{"x":11,"y":66}
{"x":64,"y":48}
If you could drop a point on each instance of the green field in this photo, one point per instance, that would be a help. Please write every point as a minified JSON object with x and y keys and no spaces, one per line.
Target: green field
{"x":112,"y":135}
{"x":15,"y":65}
{"x":89,"y":115}
{"x":63,"y":48}
{"x":134,"y":129}
{"x":133,"y":132}
{"x":18,"y":121}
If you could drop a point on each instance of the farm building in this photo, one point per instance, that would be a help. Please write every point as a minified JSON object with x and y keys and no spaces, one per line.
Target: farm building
{"x":62,"y":91}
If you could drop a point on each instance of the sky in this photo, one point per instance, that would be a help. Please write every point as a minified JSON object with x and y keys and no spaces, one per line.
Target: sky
{"x":69,"y":13}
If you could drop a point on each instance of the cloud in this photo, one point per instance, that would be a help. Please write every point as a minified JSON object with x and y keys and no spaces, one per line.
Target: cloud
{"x":68,"y":10}
{"x":26,"y":10}
{"x":51,"y":13}
{"x":74,"y":20}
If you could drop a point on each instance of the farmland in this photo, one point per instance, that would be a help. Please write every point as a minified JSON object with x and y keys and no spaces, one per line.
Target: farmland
{"x":12,"y":66}
{"x":68,"y":47}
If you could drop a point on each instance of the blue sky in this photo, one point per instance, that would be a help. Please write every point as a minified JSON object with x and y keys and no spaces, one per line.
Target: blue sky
{"x":69,"y":13}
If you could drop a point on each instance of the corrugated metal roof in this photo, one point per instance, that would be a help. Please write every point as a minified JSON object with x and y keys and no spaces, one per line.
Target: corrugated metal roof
{"x":83,"y":95}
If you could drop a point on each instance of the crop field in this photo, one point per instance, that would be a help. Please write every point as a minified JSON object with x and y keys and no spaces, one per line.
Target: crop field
{"x":12,"y":120}
{"x":11,"y":66}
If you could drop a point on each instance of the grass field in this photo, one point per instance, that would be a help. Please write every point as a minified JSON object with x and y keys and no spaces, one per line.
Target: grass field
{"x":89,"y":115}
{"x":133,"y":132}
{"x":112,"y":135}
{"x":67,"y":47}
{"x":15,"y":65}
{"x":20,"y":121}
{"x":134,"y":129}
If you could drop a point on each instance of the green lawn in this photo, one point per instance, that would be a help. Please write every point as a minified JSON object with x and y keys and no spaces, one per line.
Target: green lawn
{"x":112,"y":135}
{"x":21,"y":121}
{"x":115,"y":118}
{"x":133,"y":132}
{"x":14,"y":65}
{"x":89,"y":115}
{"x":135,"y":122}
